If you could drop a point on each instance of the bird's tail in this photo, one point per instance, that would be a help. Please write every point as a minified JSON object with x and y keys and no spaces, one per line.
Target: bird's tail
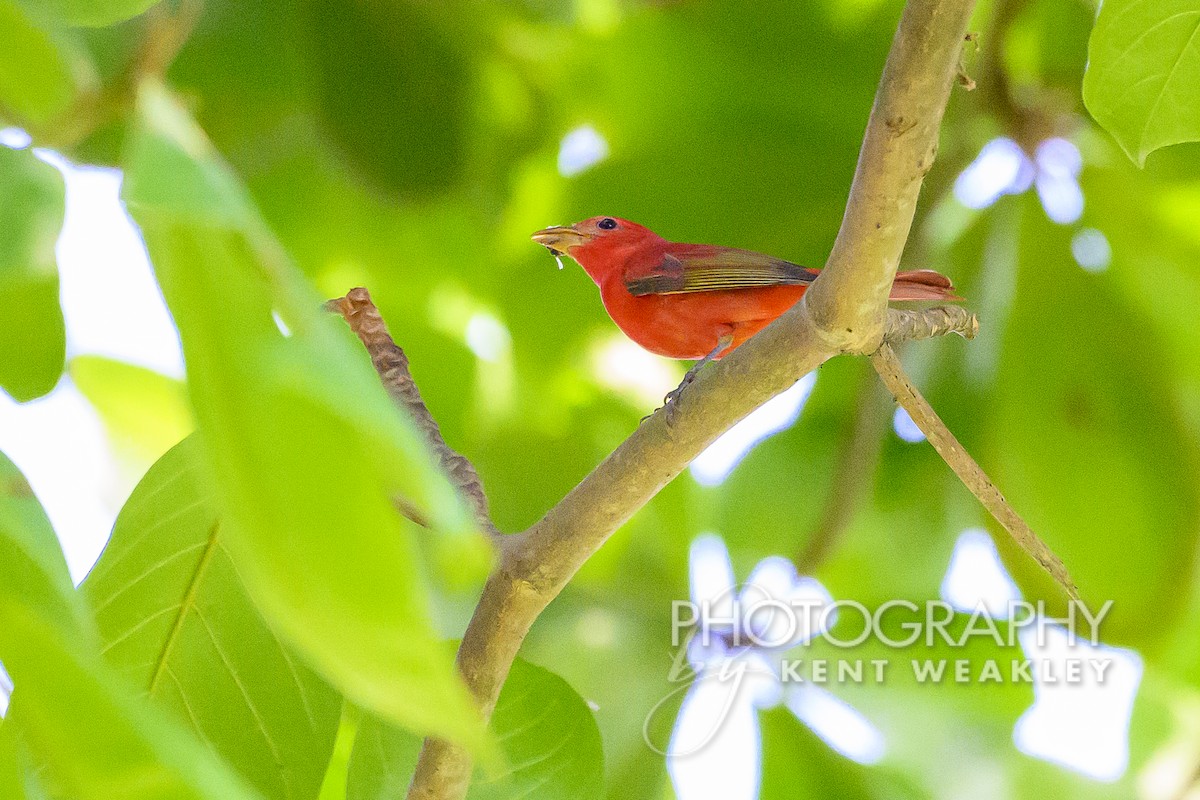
{"x":922,"y":284}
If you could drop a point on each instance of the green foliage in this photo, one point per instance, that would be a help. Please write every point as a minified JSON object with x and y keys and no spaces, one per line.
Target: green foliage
{"x":1095,"y":426}
{"x":38,"y":80}
{"x":18,"y":774}
{"x":206,"y":654}
{"x":94,"y":737}
{"x":387,"y":75}
{"x":93,"y":12}
{"x":798,"y":764}
{"x":1143,"y":67}
{"x":259,"y":582}
{"x":41,"y":586}
{"x":145,"y":413}
{"x":32,"y":338}
{"x":303,"y":444}
{"x":549,"y":739}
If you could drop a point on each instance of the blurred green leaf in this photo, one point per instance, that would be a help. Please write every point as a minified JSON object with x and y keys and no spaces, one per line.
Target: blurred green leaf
{"x":394,"y":91}
{"x":613,"y":648}
{"x":17,"y":778}
{"x":94,"y":736}
{"x":32,"y":336}
{"x":93,"y":732}
{"x":795,"y":763}
{"x":174,"y":618}
{"x":1143,"y":67}
{"x":95,"y":13}
{"x":333,"y":786}
{"x":35,"y":571}
{"x":37,"y":81}
{"x":549,"y":739}
{"x":306,"y":450}
{"x":1087,"y":443}
{"x":144,"y":411}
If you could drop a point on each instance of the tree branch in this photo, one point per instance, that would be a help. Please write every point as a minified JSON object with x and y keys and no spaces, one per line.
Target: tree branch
{"x":850,"y":299}
{"x":970,"y":473}
{"x":164,"y":33}
{"x":392,"y":365}
{"x":844,"y":311}
{"x":859,"y":453}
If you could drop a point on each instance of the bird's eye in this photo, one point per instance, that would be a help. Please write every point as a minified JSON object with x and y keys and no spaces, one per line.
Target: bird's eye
{"x":607,"y":224}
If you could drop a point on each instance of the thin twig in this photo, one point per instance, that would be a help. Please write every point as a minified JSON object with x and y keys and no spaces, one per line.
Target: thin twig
{"x":165,"y":31}
{"x":859,"y":453}
{"x":392,"y":365}
{"x":887,"y":364}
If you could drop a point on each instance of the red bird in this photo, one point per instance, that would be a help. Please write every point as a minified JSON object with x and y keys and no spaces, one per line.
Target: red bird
{"x":695,"y":301}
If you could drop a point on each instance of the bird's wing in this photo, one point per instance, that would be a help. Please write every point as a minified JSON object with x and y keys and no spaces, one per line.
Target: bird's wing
{"x":704,"y":268}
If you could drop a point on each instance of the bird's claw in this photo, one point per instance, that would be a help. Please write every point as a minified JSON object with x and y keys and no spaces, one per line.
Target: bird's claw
{"x":671,"y":402}
{"x":670,"y":409}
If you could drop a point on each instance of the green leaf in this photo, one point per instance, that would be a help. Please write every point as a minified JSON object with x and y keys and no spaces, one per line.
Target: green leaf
{"x":18,"y":780}
{"x":394,"y":92}
{"x":145,"y":413}
{"x":36,"y":82}
{"x":95,"y":13}
{"x":1143,"y":69}
{"x":32,"y":335}
{"x":795,"y":763}
{"x":548,"y":734}
{"x":32,"y":566}
{"x":306,"y":450}
{"x":175,"y":619}
{"x":333,"y":786}
{"x":95,"y":737}
{"x":1083,"y":428}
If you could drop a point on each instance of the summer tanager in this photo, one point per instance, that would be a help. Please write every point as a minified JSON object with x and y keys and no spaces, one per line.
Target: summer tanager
{"x":695,"y":301}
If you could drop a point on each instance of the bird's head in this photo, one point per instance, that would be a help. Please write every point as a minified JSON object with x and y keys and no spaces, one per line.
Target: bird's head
{"x":600,"y":244}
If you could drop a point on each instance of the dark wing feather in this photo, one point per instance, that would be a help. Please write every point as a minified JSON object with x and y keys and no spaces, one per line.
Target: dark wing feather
{"x":710,"y":269}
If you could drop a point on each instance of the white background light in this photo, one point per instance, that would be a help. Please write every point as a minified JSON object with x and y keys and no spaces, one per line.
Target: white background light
{"x":112,"y":307}
{"x":1091,"y":250}
{"x":712,"y":466}
{"x":580,"y":149}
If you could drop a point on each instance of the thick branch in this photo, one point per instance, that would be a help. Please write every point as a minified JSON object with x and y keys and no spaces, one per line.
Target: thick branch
{"x":973,"y":477}
{"x":843,"y":311}
{"x":536,"y":564}
{"x":849,"y":299}
{"x":392,"y":365}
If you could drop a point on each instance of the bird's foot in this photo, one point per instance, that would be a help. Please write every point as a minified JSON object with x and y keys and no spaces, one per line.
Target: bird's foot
{"x":675,"y":397}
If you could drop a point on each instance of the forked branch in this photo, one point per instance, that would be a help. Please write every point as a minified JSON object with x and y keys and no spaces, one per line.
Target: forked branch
{"x":845,"y":311}
{"x":887,"y":364}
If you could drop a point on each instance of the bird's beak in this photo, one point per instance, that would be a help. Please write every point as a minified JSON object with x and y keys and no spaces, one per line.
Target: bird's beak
{"x":559,"y":239}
